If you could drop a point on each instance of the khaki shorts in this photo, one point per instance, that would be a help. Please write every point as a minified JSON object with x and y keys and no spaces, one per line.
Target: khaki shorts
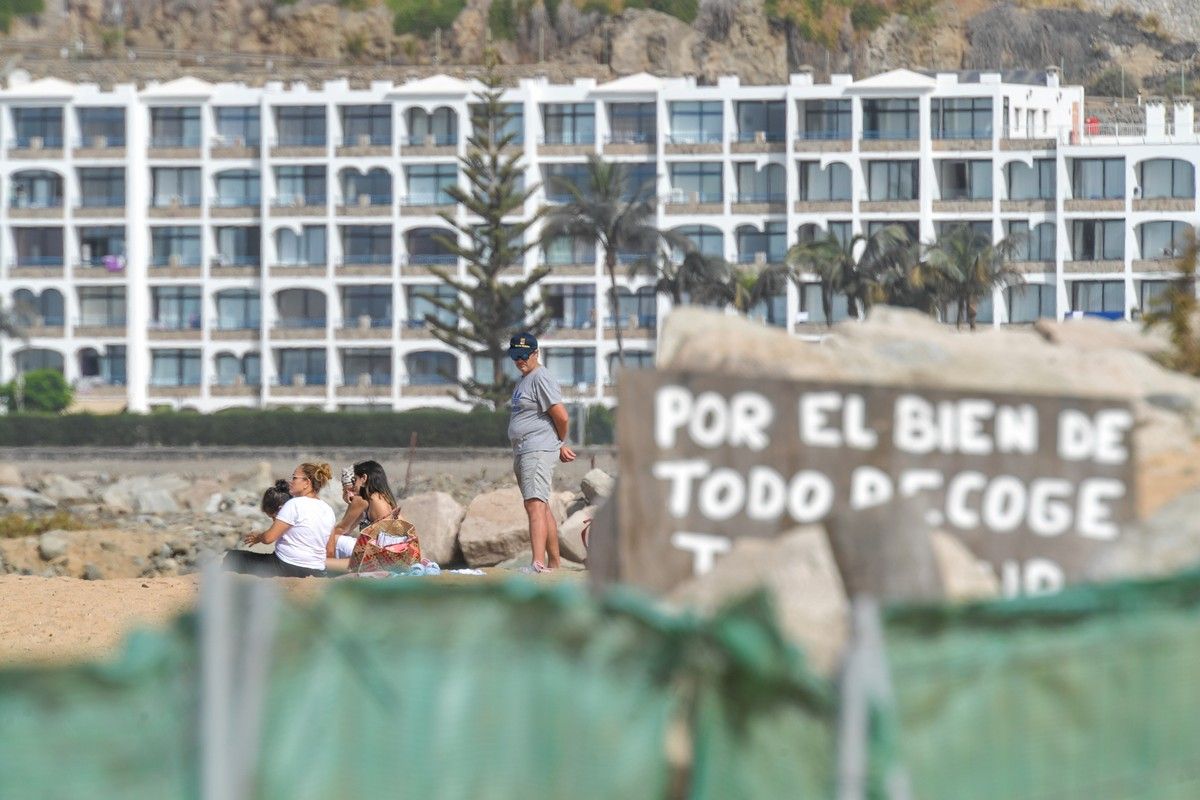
{"x":535,"y":473}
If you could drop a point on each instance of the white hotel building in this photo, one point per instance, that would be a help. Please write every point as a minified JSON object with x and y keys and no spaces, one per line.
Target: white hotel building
{"x":209,"y":246}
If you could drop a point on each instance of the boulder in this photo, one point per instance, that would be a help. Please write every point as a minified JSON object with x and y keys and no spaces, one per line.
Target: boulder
{"x":92,"y":573}
{"x":10,"y":475}
{"x":798,"y":570}
{"x":198,"y":496}
{"x":62,"y":489}
{"x":494,"y":528}
{"x":560,"y":502}
{"x":597,"y":485}
{"x":17,"y":498}
{"x":156,"y":501}
{"x":52,"y":545}
{"x":963,"y":575}
{"x":570,"y":534}
{"x":437,"y":516}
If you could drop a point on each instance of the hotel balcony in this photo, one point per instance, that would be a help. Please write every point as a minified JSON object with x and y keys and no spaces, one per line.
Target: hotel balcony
{"x":97,"y":147}
{"x":48,"y":148}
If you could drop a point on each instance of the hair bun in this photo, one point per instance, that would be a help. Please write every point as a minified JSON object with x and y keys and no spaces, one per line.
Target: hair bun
{"x":324,"y":473}
{"x":281,"y":485}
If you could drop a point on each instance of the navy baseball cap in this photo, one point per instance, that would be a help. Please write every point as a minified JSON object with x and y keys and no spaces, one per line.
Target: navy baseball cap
{"x":522,"y":345}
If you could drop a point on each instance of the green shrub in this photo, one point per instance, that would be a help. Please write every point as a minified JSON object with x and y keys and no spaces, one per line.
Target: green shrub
{"x":14,"y":526}
{"x":502,"y":20}
{"x":253,"y":428}
{"x":601,"y":425}
{"x":423,"y":17}
{"x":40,"y":390}
{"x":17,"y":8}
{"x":685,"y":10}
{"x":551,"y":7}
{"x":1109,"y":84}
{"x":866,"y":16}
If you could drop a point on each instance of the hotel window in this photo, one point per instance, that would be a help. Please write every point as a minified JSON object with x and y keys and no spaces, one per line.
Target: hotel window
{"x":1167,"y":177}
{"x":174,"y":186}
{"x":696,"y":182}
{"x":1103,"y":297}
{"x":238,"y":309}
{"x":175,"y":246}
{"x":965,"y":180}
{"x":1030,"y":302}
{"x":633,"y":123}
{"x":238,"y":126}
{"x":175,"y":126}
{"x":176,"y":308}
{"x":36,"y":127}
{"x":893,"y":118}
{"x":102,"y":126}
{"x":1098,"y":240}
{"x":175,"y":367}
{"x":893,"y":180}
{"x":305,"y":248}
{"x":761,"y":119}
{"x":1098,"y":179}
{"x":569,"y":123}
{"x":370,"y":125}
{"x":102,"y":187}
{"x":823,"y":185}
{"x":300,"y":126}
{"x":825,"y":119}
{"x":427,"y":184}
{"x":1036,"y":244}
{"x":695,"y":122}
{"x":961,"y":117}
{"x":1031,"y":183}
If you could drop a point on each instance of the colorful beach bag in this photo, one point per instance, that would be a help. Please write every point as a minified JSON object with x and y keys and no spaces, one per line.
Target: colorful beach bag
{"x":389,"y":545}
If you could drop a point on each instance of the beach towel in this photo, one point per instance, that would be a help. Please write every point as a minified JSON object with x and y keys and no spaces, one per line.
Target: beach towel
{"x":389,"y":545}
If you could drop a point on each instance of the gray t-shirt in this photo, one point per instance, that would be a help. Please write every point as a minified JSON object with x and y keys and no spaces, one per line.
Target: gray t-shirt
{"x":529,"y":426}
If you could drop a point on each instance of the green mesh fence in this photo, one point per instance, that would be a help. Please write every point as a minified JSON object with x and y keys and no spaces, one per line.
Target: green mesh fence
{"x":1091,"y":693}
{"x":418,"y":689}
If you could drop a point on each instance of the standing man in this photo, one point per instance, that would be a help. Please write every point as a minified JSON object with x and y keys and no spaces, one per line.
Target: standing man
{"x":537,"y":429}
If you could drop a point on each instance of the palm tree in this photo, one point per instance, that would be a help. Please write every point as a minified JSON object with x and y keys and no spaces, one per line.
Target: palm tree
{"x":1176,"y":310}
{"x":694,"y":278}
{"x":963,"y":266}
{"x":606,"y":209}
{"x":860,"y":268}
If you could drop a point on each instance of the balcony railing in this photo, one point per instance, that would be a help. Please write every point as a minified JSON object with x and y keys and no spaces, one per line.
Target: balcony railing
{"x":632,"y":137}
{"x":236,"y":202}
{"x":238,"y":325}
{"x":300,"y":322}
{"x":167,"y":383}
{"x":970,"y":133}
{"x":363,"y":199}
{"x":427,"y":199}
{"x":364,"y":379}
{"x":100,"y":322}
{"x":301,"y":379}
{"x":750,"y":137}
{"x":298,"y":200}
{"x":192,"y":324}
{"x":686,"y":196}
{"x":430,"y":259}
{"x":109,"y":263}
{"x":760,"y":197}
{"x":823,"y":135}
{"x":366,"y":140}
{"x":889,"y":135}
{"x":569,"y":138}
{"x":36,"y":143}
{"x":236,"y":260}
{"x":433,"y":140}
{"x":357,"y":322}
{"x":695,"y":137}
{"x":286,"y":139}
{"x":187,"y":140}
{"x":174,"y":261}
{"x":38,"y":261}
{"x":367,"y":258}
{"x":100,"y":141}
{"x":47,"y":203}
{"x":760,"y":257}
{"x":176,"y":201}
{"x":102,"y":201}
{"x":631,"y":322}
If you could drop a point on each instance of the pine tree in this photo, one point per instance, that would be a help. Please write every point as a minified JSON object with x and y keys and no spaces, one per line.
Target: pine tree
{"x":490,"y":309}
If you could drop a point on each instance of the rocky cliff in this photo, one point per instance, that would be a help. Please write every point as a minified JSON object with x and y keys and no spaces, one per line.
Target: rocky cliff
{"x":1154,"y":41}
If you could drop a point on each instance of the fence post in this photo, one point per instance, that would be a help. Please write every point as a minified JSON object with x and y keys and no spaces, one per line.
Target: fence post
{"x":234,"y":658}
{"x":864,"y":683}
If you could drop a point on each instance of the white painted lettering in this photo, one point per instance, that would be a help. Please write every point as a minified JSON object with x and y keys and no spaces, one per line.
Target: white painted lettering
{"x":1111,"y":426}
{"x":672,"y":407}
{"x":750,"y":414}
{"x":972,"y":438}
{"x":1050,"y":506}
{"x":722,"y":494}
{"x":1094,"y":516}
{"x":914,"y":430}
{"x":705,"y":547}
{"x":1017,"y":429}
{"x":958,"y":512}
{"x":815,"y":429}
{"x":766,"y":494}
{"x":1004,"y":503}
{"x":810,"y":496}
{"x":869,"y":486}
{"x":709,"y":425}
{"x":1076,"y":439}
{"x":680,"y":473}
{"x":858,"y":434}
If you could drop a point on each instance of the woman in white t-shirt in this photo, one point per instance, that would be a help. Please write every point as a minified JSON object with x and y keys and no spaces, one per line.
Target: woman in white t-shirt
{"x":300,"y":530}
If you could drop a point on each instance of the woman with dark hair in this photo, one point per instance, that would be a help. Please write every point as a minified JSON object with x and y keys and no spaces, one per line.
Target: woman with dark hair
{"x":274,"y":498}
{"x":299,"y":532}
{"x":372,"y":494}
